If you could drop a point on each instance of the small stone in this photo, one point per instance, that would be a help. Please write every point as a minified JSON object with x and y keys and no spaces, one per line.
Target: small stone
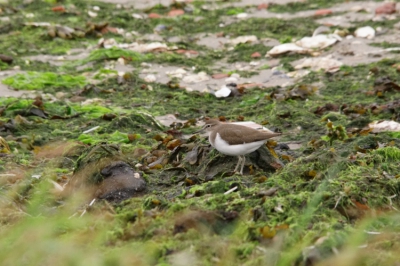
{"x":6,"y":59}
{"x":386,"y":9}
{"x":120,"y":182}
{"x":60,"y":9}
{"x":244,"y":39}
{"x":146,"y":65}
{"x":76,"y":99}
{"x":242,"y":15}
{"x":196,"y":78}
{"x":176,"y":12}
{"x":178,"y":73}
{"x":231,"y":80}
{"x":137,"y":16}
{"x":150,"y":78}
{"x":110,"y":29}
{"x":139,"y":152}
{"x":92,"y":14}
{"x":358,"y":9}
{"x":121,"y":61}
{"x":183,"y":51}
{"x":255,"y":55}
{"x":365,"y":32}
{"x":160,"y":28}
{"x":60,"y":95}
{"x":5,"y":19}
{"x":220,"y":75}
{"x":262,"y":6}
{"x":323,"y":12}
{"x":154,"y":15}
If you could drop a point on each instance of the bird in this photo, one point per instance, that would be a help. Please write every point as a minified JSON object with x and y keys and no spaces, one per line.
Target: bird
{"x":235,"y":140}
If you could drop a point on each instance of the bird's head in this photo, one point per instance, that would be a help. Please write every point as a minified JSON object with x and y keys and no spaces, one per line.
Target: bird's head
{"x":209,"y":125}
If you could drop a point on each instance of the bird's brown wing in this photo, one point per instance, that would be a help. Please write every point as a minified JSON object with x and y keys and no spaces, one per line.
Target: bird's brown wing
{"x":238,"y":133}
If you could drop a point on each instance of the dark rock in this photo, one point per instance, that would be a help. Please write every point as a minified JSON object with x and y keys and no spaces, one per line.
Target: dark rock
{"x":263,"y":159}
{"x":120,"y":182}
{"x":6,"y":59}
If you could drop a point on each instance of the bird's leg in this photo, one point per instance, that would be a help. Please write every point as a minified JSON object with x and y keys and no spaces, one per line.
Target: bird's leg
{"x":243,"y":162}
{"x":238,"y":163}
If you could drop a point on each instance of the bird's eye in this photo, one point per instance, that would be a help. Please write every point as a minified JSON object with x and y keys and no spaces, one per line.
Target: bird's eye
{"x":208,"y":126}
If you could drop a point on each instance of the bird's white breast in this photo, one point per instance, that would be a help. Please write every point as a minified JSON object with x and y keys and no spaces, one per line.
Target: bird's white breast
{"x":234,"y":150}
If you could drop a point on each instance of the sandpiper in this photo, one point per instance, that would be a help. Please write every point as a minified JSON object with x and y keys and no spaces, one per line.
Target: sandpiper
{"x":235,"y":140}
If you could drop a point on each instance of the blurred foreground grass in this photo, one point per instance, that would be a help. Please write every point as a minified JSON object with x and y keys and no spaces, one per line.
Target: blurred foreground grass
{"x":43,"y":229}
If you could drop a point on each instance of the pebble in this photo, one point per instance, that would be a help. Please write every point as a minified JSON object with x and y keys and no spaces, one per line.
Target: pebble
{"x":386,"y":9}
{"x":144,"y":64}
{"x":150,"y":78}
{"x":323,"y":12}
{"x":160,"y":28}
{"x":178,"y":73}
{"x":92,"y":14}
{"x":176,"y":12}
{"x":60,"y":95}
{"x":365,"y":32}
{"x":231,"y":80}
{"x":196,"y":78}
{"x":137,"y":16}
{"x":242,"y":15}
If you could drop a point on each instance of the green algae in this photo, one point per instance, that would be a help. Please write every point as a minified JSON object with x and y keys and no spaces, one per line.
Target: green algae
{"x":115,"y":137}
{"x":39,"y":80}
{"x":389,"y":153}
{"x":272,"y":28}
{"x":113,"y":53}
{"x":293,"y":7}
{"x":4,"y":66}
{"x":385,"y":44}
{"x":30,"y":41}
{"x":243,"y":52}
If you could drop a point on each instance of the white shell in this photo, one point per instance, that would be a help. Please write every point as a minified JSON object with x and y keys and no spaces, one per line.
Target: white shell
{"x":244,"y":39}
{"x":223,"y":92}
{"x":92,"y":14}
{"x":320,"y":41}
{"x":196,"y":78}
{"x":327,"y":63}
{"x":177,"y":73}
{"x":384,"y":126}
{"x":137,"y":16}
{"x":306,"y":44}
{"x":231,"y":80}
{"x":285,"y":48}
{"x":150,"y":78}
{"x":365,"y":32}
